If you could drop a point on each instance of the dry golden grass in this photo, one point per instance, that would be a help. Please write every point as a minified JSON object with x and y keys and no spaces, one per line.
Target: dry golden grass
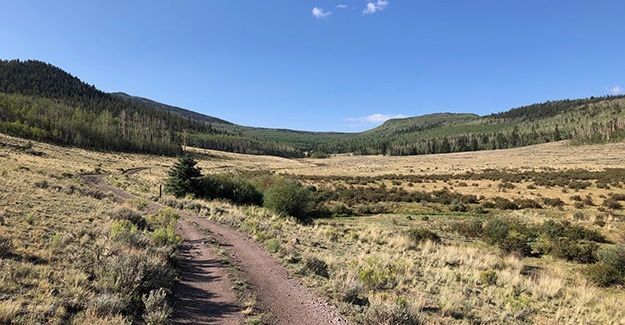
{"x":369,"y":258}
{"x":52,"y":220}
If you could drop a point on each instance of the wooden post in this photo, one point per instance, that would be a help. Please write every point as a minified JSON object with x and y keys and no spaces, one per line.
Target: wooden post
{"x":160,"y":191}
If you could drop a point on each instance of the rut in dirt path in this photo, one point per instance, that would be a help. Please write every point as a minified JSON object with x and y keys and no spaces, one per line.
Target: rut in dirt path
{"x":206,"y":296}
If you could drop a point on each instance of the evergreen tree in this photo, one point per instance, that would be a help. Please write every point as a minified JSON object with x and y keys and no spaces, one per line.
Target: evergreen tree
{"x":183,"y":177}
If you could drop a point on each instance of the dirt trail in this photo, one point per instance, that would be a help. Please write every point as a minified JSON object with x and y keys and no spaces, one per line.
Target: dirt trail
{"x":206,"y":296}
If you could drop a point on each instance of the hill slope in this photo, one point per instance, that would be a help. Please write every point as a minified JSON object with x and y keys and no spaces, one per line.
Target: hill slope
{"x":168,"y":108}
{"x":42,"y":102}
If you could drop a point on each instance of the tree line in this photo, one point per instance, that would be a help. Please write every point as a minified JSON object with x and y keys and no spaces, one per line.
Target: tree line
{"x":41,"y":102}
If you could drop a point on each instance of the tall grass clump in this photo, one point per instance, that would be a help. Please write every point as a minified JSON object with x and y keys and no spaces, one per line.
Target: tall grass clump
{"x":398,"y":311}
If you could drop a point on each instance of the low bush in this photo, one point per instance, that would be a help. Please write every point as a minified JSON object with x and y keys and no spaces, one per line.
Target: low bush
{"x":527,"y":204}
{"x":157,"y":309}
{"x":612,"y":204}
{"x":496,"y":230}
{"x":319,"y":155}
{"x":398,"y":312}
{"x":289,"y":198}
{"x":457,"y":206}
{"x":504,"y":204}
{"x":163,"y":218}
{"x":363,"y":209}
{"x":571,"y":250}
{"x":469,"y":228}
{"x":613,"y":255}
{"x":604,"y":275}
{"x":223,"y":186}
{"x":515,"y":244}
{"x":419,"y":235}
{"x":340,"y":209}
{"x":128,"y":214}
{"x":553,"y":202}
{"x":272,"y":245}
{"x":489,"y":277}
{"x":166,"y":236}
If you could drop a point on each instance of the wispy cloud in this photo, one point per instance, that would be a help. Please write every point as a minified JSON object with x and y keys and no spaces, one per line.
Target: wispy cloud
{"x":342,"y":6}
{"x":615,"y":90}
{"x":319,"y":13}
{"x":372,"y":7}
{"x":372,"y":119}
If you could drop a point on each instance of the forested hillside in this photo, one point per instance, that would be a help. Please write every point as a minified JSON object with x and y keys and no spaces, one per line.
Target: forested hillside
{"x":173,"y":109}
{"x":592,"y":120}
{"x":41,"y":102}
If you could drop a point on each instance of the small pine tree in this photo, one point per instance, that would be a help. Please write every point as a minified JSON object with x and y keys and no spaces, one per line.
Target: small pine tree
{"x":183,"y":177}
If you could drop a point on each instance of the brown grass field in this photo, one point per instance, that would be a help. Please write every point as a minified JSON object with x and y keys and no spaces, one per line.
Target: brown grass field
{"x":375,"y":271}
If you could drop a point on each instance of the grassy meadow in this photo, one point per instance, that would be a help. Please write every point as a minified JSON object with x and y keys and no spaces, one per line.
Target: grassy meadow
{"x":386,"y":259}
{"x":70,"y":254}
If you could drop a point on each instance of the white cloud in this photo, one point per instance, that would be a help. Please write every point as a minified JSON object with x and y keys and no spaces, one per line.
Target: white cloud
{"x":319,"y":13}
{"x":372,"y":7}
{"x":615,"y":90}
{"x":371,"y":119}
{"x":342,"y":6}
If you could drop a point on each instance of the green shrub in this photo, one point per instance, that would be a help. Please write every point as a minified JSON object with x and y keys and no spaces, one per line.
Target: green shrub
{"x":157,"y":310}
{"x":489,"y":277}
{"x":237,"y":190}
{"x":579,"y":215}
{"x":570,"y":250}
{"x":290,"y":198}
{"x":496,"y":230}
{"x":515,"y":244}
{"x":272,"y":245}
{"x":457,"y":206}
{"x":603,"y":274}
{"x":504,"y":204}
{"x":419,"y":235}
{"x":123,"y":231}
{"x":163,"y":219}
{"x":613,"y":255}
{"x":575,"y":232}
{"x":128,"y":214}
{"x":488,"y":205}
{"x":166,"y":236}
{"x":479,"y":210}
{"x":469,"y":228}
{"x":552,"y":230}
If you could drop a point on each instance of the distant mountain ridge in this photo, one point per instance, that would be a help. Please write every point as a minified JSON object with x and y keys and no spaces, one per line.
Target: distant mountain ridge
{"x":42,"y":102}
{"x":168,"y":108}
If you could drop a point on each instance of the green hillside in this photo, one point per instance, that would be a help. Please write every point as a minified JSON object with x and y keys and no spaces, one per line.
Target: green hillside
{"x":41,"y":102}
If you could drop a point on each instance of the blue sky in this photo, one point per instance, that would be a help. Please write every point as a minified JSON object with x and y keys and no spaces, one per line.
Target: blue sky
{"x":325,"y":65}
